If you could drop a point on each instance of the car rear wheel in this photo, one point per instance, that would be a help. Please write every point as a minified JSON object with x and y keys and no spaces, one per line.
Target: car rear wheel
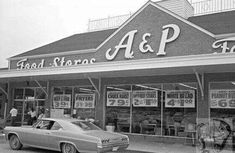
{"x":68,"y":148}
{"x":15,"y":143}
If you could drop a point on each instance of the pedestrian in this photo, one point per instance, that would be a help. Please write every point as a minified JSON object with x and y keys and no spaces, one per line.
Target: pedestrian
{"x":13,"y":113}
{"x":41,"y":114}
{"x":33,"y":117}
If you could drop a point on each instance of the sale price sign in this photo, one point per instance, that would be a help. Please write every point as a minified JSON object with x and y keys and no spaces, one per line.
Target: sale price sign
{"x":145,"y":98}
{"x":62,"y":101}
{"x":84,"y":101}
{"x":180,"y":99}
{"x":118,"y":98}
{"x":222,"y":98}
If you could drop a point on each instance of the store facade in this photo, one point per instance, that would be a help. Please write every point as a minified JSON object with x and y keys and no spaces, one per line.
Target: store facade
{"x":158,"y":74}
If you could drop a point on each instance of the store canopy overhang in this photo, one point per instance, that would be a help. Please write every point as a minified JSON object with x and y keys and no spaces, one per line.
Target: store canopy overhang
{"x":206,"y":63}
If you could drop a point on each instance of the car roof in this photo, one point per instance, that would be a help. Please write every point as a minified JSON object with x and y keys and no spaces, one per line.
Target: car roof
{"x":64,"y":122}
{"x":63,"y":119}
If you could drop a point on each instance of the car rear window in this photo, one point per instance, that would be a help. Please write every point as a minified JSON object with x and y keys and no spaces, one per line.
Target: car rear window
{"x":86,"y":126}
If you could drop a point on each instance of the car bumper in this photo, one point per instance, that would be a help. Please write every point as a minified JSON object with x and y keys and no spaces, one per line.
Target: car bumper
{"x":113,"y":148}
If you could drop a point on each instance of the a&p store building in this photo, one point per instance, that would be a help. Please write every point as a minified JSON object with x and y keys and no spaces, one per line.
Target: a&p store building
{"x":156,"y":76}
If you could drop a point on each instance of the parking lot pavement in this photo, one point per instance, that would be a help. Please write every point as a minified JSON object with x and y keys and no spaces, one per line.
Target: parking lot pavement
{"x":135,"y":147}
{"x":4,"y":148}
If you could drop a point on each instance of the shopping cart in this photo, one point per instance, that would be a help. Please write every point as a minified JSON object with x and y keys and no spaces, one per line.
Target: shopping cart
{"x":213,"y":136}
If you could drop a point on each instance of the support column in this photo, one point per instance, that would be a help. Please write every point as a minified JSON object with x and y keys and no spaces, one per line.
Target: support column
{"x":203,"y":106}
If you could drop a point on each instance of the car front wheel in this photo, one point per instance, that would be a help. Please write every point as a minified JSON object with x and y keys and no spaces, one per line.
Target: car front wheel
{"x":68,"y":148}
{"x":15,"y":143}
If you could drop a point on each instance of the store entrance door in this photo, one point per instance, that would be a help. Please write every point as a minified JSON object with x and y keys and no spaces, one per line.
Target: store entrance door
{"x":25,"y":99}
{"x":27,"y":105}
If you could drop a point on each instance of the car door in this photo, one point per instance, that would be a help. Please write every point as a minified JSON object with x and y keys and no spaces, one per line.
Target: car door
{"x":39,"y":135}
{"x":55,"y":135}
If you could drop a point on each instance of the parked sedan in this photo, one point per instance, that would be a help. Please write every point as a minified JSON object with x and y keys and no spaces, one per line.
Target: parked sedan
{"x":67,"y":136}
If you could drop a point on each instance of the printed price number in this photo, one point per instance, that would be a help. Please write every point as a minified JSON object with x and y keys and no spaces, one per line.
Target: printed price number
{"x":117,"y":102}
{"x":181,"y":102}
{"x":145,"y":102}
{"x":64,"y":104}
{"x":138,"y":102}
{"x":84,"y":105}
{"x":224,"y":103}
{"x":56,"y":104}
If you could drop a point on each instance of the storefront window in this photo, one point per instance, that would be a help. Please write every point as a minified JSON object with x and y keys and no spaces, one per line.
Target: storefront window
{"x":29,"y":93}
{"x":84,"y":102}
{"x":18,"y":93}
{"x":179,"y":109}
{"x":222,"y":102}
{"x":153,"y":109}
{"x":118,"y":107}
{"x":146,"y":111}
{"x":76,"y":102}
{"x":62,"y":99}
{"x":40,"y":94}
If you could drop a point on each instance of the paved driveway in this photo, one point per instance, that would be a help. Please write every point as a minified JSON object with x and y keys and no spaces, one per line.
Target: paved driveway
{"x":4,"y":148}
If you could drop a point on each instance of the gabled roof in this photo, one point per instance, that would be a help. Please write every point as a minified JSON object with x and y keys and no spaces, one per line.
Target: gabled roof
{"x":217,"y":23}
{"x":77,"y":42}
{"x":164,"y":10}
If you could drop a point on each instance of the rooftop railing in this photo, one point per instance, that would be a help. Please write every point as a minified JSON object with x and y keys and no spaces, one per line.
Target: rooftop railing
{"x":107,"y":23}
{"x":213,"y":6}
{"x":200,"y":8}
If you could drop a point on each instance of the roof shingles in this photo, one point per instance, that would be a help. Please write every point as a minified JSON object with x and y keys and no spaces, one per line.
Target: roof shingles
{"x":218,"y":23}
{"x":83,"y":41}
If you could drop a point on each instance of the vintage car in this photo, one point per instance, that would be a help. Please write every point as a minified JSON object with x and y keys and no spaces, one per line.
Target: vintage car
{"x":67,"y":136}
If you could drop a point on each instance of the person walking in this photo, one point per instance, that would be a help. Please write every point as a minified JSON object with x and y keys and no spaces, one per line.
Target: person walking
{"x":33,"y":117}
{"x":13,"y":113}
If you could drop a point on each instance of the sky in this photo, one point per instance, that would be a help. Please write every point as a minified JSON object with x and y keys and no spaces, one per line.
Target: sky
{"x":28,"y":24}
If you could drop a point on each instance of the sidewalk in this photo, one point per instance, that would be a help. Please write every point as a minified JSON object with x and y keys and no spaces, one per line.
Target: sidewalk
{"x":154,"y":147}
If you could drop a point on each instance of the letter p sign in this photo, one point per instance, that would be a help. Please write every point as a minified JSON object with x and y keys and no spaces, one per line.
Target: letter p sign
{"x":164,"y":39}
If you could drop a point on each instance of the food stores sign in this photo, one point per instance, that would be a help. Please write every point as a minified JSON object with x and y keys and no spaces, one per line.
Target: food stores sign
{"x":224,"y":46}
{"x":55,"y":62}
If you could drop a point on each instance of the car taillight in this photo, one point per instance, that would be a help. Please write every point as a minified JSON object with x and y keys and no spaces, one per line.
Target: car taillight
{"x":99,"y":145}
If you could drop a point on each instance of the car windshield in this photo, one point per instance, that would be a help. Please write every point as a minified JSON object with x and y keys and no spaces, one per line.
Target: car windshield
{"x":85,"y":125}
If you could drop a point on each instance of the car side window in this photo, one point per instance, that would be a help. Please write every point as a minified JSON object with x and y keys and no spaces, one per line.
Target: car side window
{"x":45,"y":124}
{"x":56,"y":126}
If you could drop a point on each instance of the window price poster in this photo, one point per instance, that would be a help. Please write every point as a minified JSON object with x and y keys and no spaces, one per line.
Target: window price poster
{"x":118,"y":98}
{"x":180,"y":99}
{"x":145,"y":98}
{"x":222,"y":98}
{"x":62,"y":101}
{"x":84,"y":101}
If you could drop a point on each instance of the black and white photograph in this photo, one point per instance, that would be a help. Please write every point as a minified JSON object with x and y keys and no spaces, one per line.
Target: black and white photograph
{"x":117,"y":76}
